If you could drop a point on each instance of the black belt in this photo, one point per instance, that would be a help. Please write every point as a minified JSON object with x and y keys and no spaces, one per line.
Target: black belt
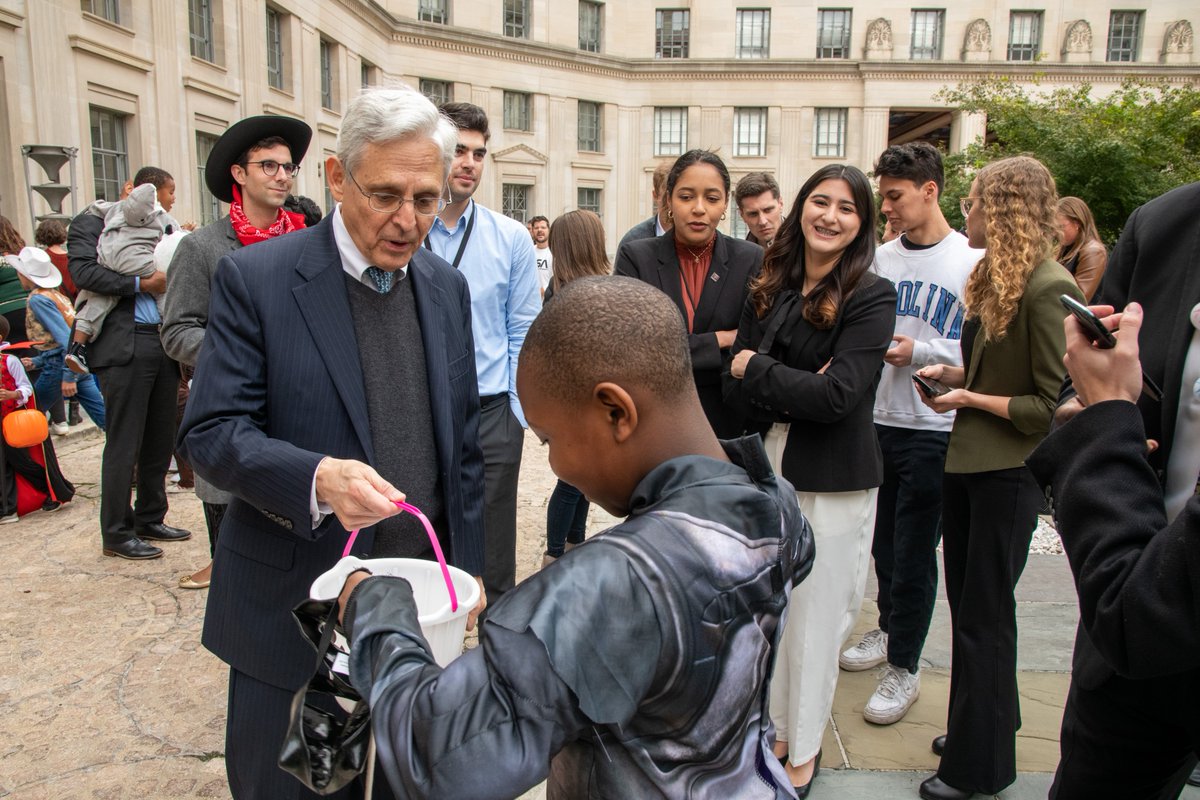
{"x":147,"y":327}
{"x":487,"y":401}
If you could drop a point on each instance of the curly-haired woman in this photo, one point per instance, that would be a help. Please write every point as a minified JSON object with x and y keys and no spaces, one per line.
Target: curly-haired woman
{"x":1005,"y":392}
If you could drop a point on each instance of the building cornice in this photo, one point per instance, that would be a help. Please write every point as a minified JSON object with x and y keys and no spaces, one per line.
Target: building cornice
{"x":101,"y":50}
{"x":221,"y":92}
{"x":11,"y":19}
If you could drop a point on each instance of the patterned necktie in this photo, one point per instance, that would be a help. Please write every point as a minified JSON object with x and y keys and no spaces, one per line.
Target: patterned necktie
{"x":381,"y":279}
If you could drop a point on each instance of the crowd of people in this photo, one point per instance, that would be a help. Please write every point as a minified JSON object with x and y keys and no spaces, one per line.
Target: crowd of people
{"x":767,"y":414}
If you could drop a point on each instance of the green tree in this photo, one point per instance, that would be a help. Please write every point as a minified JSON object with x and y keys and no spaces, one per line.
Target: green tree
{"x":1115,"y":152}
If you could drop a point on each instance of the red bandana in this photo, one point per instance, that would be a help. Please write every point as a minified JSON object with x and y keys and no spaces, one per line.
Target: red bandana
{"x":285,"y":222}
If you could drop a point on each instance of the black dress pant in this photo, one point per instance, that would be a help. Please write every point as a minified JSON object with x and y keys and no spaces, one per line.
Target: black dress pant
{"x":987,"y":523}
{"x":1127,"y":739}
{"x":907,"y":527}
{"x":139,"y":398}
{"x":502,"y":439}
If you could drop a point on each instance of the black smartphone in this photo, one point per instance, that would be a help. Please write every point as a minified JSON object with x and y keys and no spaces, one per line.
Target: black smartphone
{"x":931,"y":387}
{"x":1092,"y":327}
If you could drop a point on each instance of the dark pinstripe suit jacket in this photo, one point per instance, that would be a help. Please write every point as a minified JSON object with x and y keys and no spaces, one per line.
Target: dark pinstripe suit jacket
{"x":279,"y":386}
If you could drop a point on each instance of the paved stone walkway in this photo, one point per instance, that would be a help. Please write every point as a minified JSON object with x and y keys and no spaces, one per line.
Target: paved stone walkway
{"x":107,"y":694}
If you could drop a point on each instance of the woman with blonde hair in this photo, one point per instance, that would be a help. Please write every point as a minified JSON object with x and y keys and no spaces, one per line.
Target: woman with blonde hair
{"x":1080,"y":250}
{"x":577,"y":245}
{"x":1005,"y":392}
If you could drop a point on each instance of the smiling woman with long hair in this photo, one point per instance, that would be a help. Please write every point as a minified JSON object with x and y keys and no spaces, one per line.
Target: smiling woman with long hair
{"x":1004,"y":394}
{"x":807,"y":361}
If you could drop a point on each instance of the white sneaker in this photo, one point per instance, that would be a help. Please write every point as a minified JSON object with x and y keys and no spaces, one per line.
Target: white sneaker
{"x":871,"y":651}
{"x":898,"y":689}
{"x":60,"y":428}
{"x":11,"y":518}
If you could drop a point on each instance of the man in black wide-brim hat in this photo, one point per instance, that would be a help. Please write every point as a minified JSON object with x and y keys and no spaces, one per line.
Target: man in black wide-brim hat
{"x":251,"y":167}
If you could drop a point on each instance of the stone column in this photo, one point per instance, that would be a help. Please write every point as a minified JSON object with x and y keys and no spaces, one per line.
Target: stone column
{"x":966,"y":128}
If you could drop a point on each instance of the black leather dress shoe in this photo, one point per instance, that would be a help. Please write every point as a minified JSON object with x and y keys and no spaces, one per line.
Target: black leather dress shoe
{"x":163,"y":533}
{"x":939,"y":745}
{"x":934,"y":789}
{"x":133,"y":548}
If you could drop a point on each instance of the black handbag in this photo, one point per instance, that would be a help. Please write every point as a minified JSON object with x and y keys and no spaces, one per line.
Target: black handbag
{"x":325,"y":746}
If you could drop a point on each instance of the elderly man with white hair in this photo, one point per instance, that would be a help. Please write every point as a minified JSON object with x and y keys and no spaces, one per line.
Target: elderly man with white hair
{"x":337,"y":375}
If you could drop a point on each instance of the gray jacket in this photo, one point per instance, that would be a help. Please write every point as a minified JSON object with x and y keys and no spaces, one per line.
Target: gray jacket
{"x":185,"y":310}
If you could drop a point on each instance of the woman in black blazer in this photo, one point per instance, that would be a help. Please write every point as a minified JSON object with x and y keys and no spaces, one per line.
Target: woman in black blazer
{"x":704,"y":271}
{"x":807,"y":361}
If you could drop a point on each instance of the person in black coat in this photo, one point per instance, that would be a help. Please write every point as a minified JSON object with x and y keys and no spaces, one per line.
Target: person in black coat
{"x":806,"y":364}
{"x":704,"y":271}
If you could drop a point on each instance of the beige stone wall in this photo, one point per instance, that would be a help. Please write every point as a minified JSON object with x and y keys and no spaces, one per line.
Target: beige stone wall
{"x":56,"y":61}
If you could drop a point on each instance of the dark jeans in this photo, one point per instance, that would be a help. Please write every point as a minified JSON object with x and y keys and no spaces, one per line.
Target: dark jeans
{"x":501,"y":437}
{"x":566,"y":518}
{"x":987,"y":522}
{"x":907,"y":527}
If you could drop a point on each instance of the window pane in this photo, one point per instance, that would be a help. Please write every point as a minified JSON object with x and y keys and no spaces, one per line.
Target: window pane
{"x":200,"y":27}
{"x":1024,"y":35}
{"x":671,"y":32}
{"x":432,"y":11}
{"x":516,"y":111}
{"x":670,"y":131}
{"x":589,"y":199}
{"x":274,"y":49}
{"x":108,"y":9}
{"x":750,"y":132}
{"x":1124,"y":35}
{"x":110,"y":158}
{"x":737,"y":226}
{"x":589,"y":126}
{"x":829,"y":136}
{"x":516,"y":18}
{"x":590,"y":16}
{"x":326,"y":75}
{"x":927,"y":34}
{"x":753,"y":33}
{"x":437,"y":91}
{"x":833,"y":33}
{"x":515,"y":201}
{"x":210,"y":206}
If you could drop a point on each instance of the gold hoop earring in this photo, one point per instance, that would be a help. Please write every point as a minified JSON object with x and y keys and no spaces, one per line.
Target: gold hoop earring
{"x":723,"y":216}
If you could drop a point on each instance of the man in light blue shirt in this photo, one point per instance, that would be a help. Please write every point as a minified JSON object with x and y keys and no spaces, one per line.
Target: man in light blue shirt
{"x":496,"y":255}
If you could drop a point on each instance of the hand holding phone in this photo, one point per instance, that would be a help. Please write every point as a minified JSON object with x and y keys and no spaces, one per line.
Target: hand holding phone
{"x":929,"y":386}
{"x":1091,"y":325}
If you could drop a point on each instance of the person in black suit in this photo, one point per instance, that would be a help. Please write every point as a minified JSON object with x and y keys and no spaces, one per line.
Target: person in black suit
{"x":704,"y":271}
{"x":140,"y":384}
{"x":1121,"y":734}
{"x":337,"y":375}
{"x":807,"y":361}
{"x":660,"y":222}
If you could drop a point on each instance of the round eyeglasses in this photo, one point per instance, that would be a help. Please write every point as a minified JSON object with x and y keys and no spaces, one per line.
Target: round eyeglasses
{"x":426,"y":205}
{"x":270,"y":167}
{"x":967,"y":203}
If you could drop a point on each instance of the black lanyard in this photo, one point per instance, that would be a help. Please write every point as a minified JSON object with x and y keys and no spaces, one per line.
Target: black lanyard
{"x":466,"y":238}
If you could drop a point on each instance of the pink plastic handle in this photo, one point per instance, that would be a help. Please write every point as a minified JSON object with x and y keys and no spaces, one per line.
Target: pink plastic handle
{"x":433,"y":539}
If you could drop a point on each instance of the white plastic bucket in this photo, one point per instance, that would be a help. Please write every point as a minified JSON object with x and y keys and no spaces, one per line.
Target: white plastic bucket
{"x":442,"y":627}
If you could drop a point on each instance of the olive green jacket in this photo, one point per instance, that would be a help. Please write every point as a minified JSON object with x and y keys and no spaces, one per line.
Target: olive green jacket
{"x":1026,"y":366}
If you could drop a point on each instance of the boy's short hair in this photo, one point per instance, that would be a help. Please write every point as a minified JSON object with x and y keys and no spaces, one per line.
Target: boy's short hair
{"x":753,"y":185}
{"x":154,"y":175}
{"x":608,"y":328}
{"x":306,"y":207}
{"x":467,"y":117}
{"x":919,"y":162}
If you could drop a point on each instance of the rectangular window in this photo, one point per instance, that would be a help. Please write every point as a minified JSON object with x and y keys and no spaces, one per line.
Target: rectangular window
{"x":274,"y":48}
{"x":516,"y":111}
{"x":671,"y":27}
{"x":1024,"y":35}
{"x":438,"y":92}
{"x":927,"y":34}
{"x":200,"y":26}
{"x":210,"y":206}
{"x":753,"y":33}
{"x":515,"y":201}
{"x":737,"y":226}
{"x":366,"y":71}
{"x":1124,"y":35}
{"x":749,"y":131}
{"x":670,"y":131}
{"x":516,"y":18}
{"x":432,"y":11}
{"x":590,"y":200}
{"x":591,"y":18}
{"x":110,"y":153}
{"x":833,"y":33}
{"x":327,"y":98}
{"x":829,"y":133}
{"x":108,"y":9}
{"x":589,"y":127}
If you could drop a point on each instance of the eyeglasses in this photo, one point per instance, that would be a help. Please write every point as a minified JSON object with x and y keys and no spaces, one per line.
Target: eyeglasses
{"x":967,"y":203}
{"x":426,"y":205}
{"x":270,"y":167}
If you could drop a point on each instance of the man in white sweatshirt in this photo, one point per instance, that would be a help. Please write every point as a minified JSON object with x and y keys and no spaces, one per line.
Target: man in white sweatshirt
{"x":929,"y":264}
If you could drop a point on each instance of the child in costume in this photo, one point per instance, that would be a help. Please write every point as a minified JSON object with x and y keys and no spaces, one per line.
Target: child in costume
{"x":637,"y":665}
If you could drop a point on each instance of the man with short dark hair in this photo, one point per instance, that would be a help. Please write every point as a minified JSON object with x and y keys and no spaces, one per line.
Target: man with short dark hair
{"x":539,"y":229}
{"x":139,"y":382}
{"x":496,"y":256}
{"x":760,"y":206}
{"x":660,"y":223}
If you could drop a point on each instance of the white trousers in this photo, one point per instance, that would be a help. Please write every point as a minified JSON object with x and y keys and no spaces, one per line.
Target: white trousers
{"x":822,"y":609}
